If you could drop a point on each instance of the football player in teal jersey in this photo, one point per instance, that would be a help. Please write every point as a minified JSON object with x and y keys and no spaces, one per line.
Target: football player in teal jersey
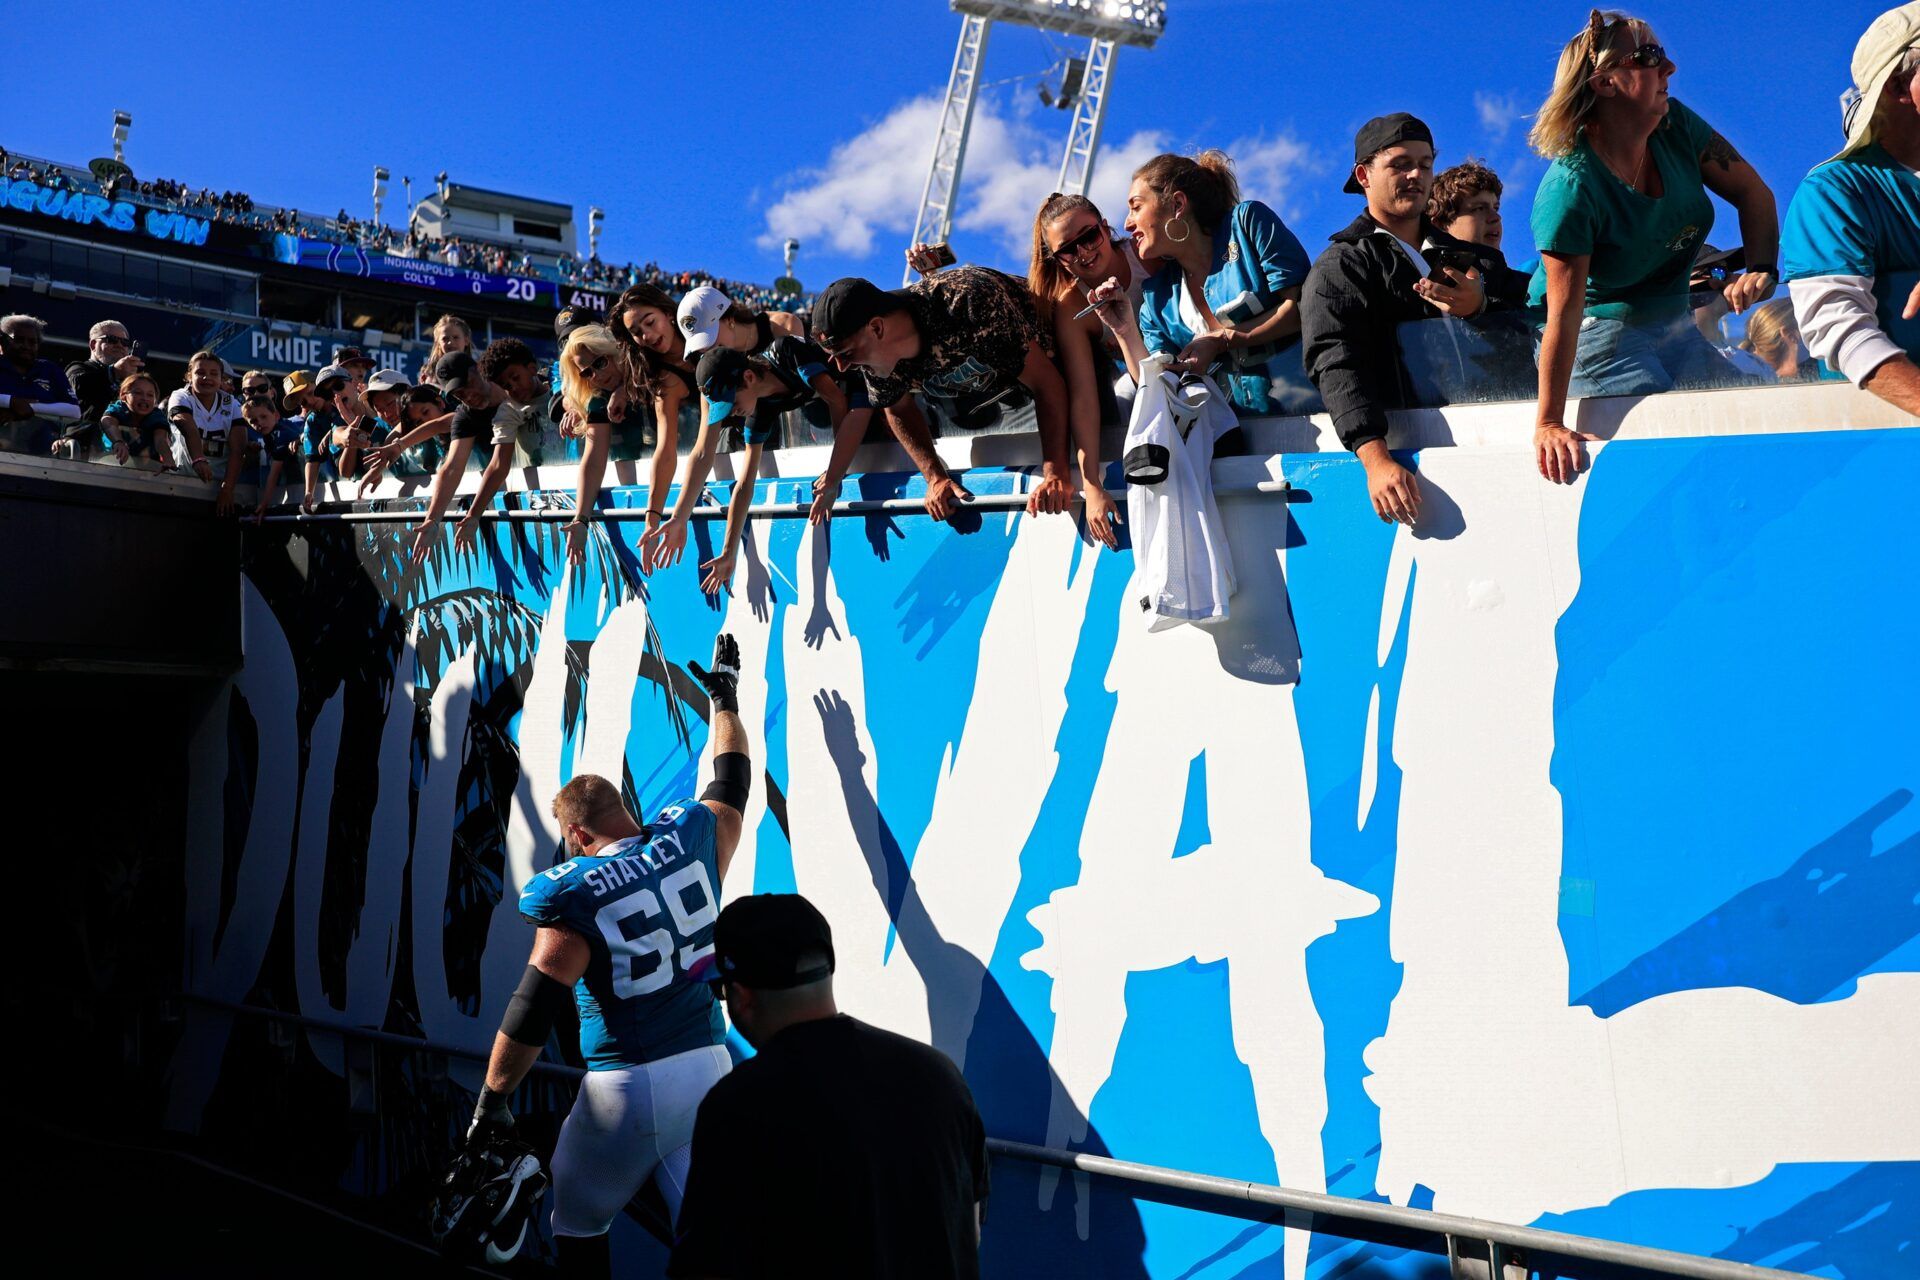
{"x":619,"y":925}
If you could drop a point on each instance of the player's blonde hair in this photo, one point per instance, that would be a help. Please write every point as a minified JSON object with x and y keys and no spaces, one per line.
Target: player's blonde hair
{"x":588,"y":801}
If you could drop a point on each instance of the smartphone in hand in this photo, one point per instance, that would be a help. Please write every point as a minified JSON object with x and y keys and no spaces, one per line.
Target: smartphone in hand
{"x":1440,"y":257}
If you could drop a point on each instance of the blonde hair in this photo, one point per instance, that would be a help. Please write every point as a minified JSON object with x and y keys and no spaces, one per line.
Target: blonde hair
{"x":1047,"y":279}
{"x":1557,"y":125}
{"x":1206,"y":180}
{"x":439,"y":344}
{"x":588,"y":801}
{"x":1771,"y":331}
{"x":584,"y":344}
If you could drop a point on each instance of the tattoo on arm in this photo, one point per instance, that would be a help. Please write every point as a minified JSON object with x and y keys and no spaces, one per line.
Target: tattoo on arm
{"x":1719,"y":151}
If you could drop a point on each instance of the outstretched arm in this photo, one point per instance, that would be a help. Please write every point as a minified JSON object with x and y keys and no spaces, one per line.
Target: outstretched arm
{"x":726,"y":795}
{"x":559,"y":958}
{"x":445,"y":481}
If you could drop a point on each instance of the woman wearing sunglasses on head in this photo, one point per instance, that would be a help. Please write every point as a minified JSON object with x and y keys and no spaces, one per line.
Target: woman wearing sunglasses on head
{"x":642,"y":321}
{"x":1074,"y":250}
{"x":1619,"y":218}
{"x":595,"y":390}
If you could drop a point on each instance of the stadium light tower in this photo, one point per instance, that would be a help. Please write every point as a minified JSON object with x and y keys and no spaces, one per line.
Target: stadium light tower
{"x":1107,"y":23}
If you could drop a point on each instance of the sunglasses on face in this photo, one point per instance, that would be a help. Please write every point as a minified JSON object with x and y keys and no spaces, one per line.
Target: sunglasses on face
{"x":257,"y":393}
{"x":113,"y":340}
{"x":595,"y":365}
{"x":1648,"y":55}
{"x":1079,"y":244}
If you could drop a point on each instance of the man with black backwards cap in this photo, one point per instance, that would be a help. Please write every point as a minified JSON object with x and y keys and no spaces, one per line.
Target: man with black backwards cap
{"x":755,"y":390}
{"x":1852,"y":242}
{"x":476,"y":402}
{"x":621,"y":927}
{"x":1389,"y":266}
{"x":966,"y":332}
{"x":838,"y":1149}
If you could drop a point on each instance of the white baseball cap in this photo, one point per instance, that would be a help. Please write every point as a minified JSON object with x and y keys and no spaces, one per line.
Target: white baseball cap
{"x":389,"y":380}
{"x":1880,"y":50}
{"x":699,"y":317}
{"x":331,"y":371}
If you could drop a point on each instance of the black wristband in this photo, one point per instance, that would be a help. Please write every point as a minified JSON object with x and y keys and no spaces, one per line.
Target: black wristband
{"x":732,"y":780}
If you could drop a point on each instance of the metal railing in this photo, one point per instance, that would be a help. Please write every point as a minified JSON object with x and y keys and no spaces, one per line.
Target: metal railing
{"x":758,"y":511}
{"x":1476,"y":1248}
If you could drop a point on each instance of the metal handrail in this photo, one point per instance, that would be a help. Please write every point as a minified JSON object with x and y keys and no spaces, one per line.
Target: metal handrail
{"x":1436,"y":1233}
{"x":760,"y":510}
{"x":1439,"y":1234}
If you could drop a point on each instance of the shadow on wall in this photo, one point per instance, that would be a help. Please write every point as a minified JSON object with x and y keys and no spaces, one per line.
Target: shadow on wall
{"x":1015,"y":1064}
{"x":1839,"y":903}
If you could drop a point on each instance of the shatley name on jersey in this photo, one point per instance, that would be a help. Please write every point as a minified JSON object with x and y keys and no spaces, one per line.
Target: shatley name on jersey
{"x":660,"y":851}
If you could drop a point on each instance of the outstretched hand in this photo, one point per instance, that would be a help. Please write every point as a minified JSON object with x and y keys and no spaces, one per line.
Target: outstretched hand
{"x":722,"y":682}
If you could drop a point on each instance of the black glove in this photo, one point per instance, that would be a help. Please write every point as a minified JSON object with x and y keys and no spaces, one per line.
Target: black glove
{"x":490,"y":1119}
{"x":723,"y":682}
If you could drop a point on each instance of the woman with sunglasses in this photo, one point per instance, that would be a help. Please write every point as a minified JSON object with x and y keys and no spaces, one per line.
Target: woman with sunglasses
{"x":596,"y":390}
{"x":642,"y":321}
{"x":1074,"y":250}
{"x":1619,"y":218}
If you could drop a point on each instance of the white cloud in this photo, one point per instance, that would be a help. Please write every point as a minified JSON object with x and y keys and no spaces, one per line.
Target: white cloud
{"x":871,"y":182}
{"x":862,"y":201}
{"x":1497,"y":113}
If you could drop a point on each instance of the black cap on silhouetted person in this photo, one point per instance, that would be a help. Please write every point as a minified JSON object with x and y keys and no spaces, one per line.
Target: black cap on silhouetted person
{"x":761,"y":940}
{"x":1381,"y":132}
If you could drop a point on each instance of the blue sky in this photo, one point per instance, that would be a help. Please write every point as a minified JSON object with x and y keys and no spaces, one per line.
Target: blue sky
{"x":709,"y":132}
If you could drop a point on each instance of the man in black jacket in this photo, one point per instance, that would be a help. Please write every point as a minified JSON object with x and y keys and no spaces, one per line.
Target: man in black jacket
{"x":96,"y":380}
{"x":1375,"y":276}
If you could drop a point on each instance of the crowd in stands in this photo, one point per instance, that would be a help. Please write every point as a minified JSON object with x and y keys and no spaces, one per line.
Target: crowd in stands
{"x":1629,"y":298}
{"x":236,"y":208}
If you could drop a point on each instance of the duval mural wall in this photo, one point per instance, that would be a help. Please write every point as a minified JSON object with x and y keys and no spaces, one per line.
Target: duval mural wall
{"x":1557,"y":863}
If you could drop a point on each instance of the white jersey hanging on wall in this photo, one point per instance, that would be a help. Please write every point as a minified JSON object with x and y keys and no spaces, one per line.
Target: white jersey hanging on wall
{"x":1184,"y":569}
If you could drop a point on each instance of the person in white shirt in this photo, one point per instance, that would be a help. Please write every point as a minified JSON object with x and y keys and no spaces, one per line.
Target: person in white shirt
{"x":199,"y":416}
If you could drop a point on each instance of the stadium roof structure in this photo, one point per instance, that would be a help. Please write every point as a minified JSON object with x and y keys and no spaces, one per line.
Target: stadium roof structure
{"x":1108,"y":24}
{"x":1134,"y":22}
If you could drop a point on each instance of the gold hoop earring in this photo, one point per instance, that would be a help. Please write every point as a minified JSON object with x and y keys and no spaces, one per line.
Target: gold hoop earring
{"x":1186,"y":232}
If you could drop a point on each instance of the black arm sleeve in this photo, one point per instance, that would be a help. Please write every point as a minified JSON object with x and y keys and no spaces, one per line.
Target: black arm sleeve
{"x":732,"y":780}
{"x":533,"y":1007}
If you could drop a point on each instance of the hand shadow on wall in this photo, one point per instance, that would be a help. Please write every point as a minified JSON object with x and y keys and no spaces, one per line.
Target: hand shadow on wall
{"x":1440,"y":516}
{"x":1011,"y":1077}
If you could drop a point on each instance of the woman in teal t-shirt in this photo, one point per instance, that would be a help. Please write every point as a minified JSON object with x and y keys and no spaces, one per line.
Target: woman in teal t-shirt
{"x":1619,"y":218}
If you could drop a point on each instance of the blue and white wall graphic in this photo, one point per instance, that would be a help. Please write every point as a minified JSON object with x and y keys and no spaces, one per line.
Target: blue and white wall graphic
{"x":1558,"y":863}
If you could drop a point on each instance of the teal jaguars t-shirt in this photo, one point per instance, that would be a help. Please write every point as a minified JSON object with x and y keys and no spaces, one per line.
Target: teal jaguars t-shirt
{"x":1641,"y":248}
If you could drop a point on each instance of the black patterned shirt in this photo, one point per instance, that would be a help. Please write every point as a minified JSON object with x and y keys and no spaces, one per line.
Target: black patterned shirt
{"x":975,"y":327}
